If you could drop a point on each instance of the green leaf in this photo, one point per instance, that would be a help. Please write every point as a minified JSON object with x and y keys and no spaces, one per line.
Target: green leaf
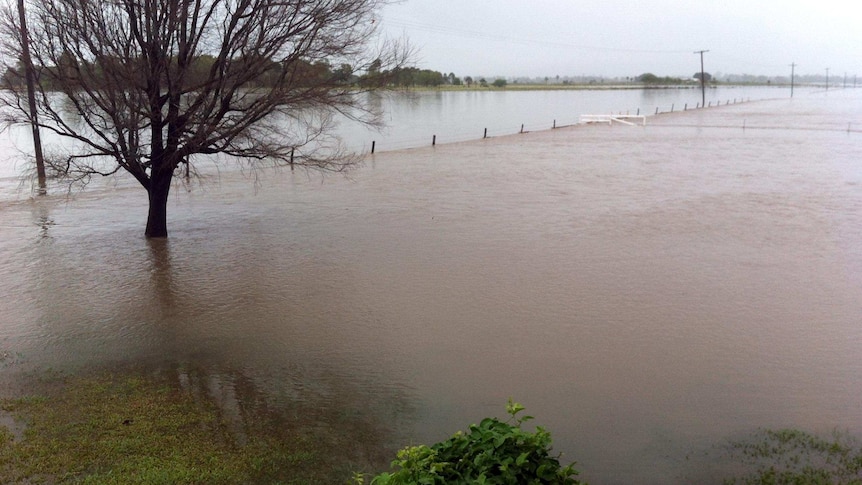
{"x":513,"y":408}
{"x":499,"y":440}
{"x":544,"y":472}
{"x":382,"y":479}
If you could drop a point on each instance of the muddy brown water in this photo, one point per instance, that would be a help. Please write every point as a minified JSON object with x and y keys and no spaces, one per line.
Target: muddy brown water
{"x":647,"y":292}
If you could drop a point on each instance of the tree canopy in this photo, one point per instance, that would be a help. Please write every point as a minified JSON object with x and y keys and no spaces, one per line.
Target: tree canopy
{"x":146,"y":86}
{"x":650,"y":78}
{"x":706,"y":76}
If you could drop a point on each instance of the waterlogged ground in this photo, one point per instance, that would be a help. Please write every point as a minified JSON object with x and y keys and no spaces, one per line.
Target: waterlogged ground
{"x":649,"y":293}
{"x":138,"y":426}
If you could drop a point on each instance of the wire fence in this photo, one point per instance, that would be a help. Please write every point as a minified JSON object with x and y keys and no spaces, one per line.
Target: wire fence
{"x":534,"y":125}
{"x":496,"y":130}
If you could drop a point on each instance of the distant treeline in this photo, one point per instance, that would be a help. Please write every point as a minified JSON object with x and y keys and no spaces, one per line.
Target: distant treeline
{"x":650,"y":78}
{"x":298,"y":73}
{"x":294,"y":73}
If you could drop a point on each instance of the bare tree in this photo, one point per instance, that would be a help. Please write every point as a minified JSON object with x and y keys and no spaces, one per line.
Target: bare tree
{"x":146,"y":85}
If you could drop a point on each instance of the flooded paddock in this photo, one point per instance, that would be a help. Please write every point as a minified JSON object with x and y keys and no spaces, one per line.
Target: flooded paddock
{"x":648,"y":293}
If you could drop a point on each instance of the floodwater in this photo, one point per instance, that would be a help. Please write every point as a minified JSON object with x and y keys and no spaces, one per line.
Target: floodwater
{"x":416,"y":119}
{"x":648,"y":293}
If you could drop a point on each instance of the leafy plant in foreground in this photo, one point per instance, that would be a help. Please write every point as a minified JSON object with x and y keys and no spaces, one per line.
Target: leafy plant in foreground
{"x":492,"y":452}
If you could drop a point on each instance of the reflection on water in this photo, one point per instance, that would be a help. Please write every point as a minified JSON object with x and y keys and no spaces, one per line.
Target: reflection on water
{"x":337,"y":419}
{"x":645,"y":292}
{"x":161,"y":275}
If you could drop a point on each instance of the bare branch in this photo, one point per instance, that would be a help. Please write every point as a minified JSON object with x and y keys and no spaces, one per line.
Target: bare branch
{"x":145,"y":85}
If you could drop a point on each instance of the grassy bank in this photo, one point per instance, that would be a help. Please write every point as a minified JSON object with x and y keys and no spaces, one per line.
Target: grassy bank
{"x":144,"y":428}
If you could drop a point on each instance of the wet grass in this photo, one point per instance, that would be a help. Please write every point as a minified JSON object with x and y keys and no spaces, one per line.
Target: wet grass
{"x":791,"y":456}
{"x":122,"y":429}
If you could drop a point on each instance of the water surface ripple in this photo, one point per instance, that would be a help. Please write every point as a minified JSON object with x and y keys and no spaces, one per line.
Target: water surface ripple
{"x":647,"y":292}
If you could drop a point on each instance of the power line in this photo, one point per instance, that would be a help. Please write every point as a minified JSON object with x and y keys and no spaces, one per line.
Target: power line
{"x":702,"y":77}
{"x":438,"y":29}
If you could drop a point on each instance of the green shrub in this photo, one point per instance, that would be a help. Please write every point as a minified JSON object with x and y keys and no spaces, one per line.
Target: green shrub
{"x":492,"y":452}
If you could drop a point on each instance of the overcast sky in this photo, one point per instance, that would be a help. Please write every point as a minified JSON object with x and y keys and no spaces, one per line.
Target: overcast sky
{"x":630,"y":37}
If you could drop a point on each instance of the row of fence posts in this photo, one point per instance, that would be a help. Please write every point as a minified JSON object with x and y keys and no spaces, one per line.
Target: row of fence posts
{"x":434,"y":139}
{"x":554,"y":126}
{"x":709,"y":105}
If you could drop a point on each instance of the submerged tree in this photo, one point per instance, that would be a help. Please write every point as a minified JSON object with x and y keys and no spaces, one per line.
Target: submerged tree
{"x":147,"y":85}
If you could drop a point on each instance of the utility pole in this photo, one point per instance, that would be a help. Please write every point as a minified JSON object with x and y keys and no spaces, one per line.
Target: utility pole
{"x":792,"y":75}
{"x":31,"y":97}
{"x":702,"y":79}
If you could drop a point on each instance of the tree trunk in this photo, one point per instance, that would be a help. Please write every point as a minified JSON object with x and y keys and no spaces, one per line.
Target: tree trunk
{"x":157,"y":218}
{"x":31,"y":98}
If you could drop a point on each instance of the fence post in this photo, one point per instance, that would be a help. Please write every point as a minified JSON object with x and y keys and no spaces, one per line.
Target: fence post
{"x":372,"y":146}
{"x":671,"y":107}
{"x":522,"y":127}
{"x":555,"y":125}
{"x":639,"y":111}
{"x":656,"y":110}
{"x":486,"y":134}
{"x":291,"y":159}
{"x":685,"y":108}
{"x":434,"y":140}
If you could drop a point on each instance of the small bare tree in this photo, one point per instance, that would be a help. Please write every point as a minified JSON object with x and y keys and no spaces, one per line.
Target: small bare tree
{"x":145,"y":85}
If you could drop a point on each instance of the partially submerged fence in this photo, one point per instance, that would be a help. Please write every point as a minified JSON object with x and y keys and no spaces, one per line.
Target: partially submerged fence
{"x":611,"y":118}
